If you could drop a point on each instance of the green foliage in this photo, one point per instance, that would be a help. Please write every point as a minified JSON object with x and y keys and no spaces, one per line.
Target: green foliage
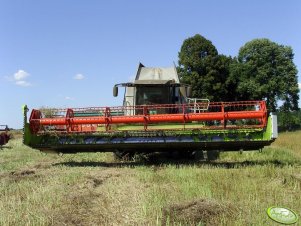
{"x":196,"y":53}
{"x":288,"y":121}
{"x":262,"y":70}
{"x":265,"y":70}
{"x":204,"y":69}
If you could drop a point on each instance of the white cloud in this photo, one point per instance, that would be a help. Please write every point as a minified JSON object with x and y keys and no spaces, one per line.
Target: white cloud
{"x":19,"y":78}
{"x":299,"y":85}
{"x":79,"y":77}
{"x":20,"y":75}
{"x":69,"y":98}
{"x":22,"y":83}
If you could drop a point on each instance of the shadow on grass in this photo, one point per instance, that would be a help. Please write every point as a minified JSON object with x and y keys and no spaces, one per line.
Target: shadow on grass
{"x":5,"y":147}
{"x":179,"y":163}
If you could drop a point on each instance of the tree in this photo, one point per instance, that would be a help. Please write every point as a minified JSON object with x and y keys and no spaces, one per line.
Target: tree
{"x":205,"y":70}
{"x":288,"y":121}
{"x":265,"y":70}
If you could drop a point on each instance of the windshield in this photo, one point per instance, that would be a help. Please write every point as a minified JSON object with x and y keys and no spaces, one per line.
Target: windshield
{"x":153,"y":95}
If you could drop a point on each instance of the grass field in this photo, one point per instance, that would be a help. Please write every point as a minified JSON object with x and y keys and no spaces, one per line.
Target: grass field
{"x":94,"y":189}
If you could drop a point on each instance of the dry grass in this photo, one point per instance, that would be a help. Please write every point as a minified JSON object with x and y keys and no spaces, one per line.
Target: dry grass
{"x":290,"y":141}
{"x":206,"y":211}
{"x":93,"y":189}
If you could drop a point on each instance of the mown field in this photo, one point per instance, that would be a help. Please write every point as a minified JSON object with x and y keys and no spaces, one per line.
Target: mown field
{"x":95,"y":189}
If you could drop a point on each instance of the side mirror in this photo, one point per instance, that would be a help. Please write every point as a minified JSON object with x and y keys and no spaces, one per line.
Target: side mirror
{"x":189,"y":91}
{"x":183,"y":91}
{"x":115,"y":91}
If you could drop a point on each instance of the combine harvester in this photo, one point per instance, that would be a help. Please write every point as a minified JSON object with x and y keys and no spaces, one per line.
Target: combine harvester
{"x":4,"y":136}
{"x":157,"y":115}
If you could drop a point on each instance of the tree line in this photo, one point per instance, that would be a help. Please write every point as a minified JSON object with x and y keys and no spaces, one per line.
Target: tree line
{"x":263,"y":70}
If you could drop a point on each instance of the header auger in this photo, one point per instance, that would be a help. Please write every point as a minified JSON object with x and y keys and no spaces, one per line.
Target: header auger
{"x":156,"y":116}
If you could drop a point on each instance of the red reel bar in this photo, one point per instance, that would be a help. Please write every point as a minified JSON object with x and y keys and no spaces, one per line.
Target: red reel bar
{"x":188,"y":117}
{"x":223,"y":112}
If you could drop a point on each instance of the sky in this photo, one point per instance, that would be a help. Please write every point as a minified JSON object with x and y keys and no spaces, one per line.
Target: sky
{"x":70,"y":53}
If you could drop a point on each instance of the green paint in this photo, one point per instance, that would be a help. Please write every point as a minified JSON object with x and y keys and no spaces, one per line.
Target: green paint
{"x":196,"y":131}
{"x":28,"y":138}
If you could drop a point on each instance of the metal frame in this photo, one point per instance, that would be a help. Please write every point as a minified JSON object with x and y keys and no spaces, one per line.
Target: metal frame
{"x":225,"y":115}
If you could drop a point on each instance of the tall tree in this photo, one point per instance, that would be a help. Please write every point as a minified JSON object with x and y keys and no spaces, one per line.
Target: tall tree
{"x":205,"y":70}
{"x":266,"y":70}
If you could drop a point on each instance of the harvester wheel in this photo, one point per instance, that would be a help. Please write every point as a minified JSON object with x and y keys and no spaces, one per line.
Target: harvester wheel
{"x":176,"y":154}
{"x":212,"y":155}
{"x":197,"y":155}
{"x":123,"y":155}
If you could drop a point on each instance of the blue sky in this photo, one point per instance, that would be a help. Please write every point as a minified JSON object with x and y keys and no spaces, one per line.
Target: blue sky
{"x":70,"y":53}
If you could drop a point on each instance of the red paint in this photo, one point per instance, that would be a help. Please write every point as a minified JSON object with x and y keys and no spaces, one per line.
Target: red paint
{"x":223,"y":112}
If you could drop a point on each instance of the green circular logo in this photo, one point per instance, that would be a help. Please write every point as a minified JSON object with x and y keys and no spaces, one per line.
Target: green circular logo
{"x":282,"y":215}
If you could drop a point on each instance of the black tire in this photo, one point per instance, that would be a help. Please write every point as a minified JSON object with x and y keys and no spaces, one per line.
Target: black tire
{"x":212,"y":155}
{"x":197,"y":155}
{"x":123,"y":155}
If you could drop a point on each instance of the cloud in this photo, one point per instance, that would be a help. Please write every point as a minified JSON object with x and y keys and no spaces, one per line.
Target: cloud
{"x":69,"y":98}
{"x":299,"y":85}
{"x":22,"y":83}
{"x":19,"y":78}
{"x":20,"y":75}
{"x":79,"y":77}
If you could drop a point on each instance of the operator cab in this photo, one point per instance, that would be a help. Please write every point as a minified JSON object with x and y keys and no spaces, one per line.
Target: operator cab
{"x":154,"y":86}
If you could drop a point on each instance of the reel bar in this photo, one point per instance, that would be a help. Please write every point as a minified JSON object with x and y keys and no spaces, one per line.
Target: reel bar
{"x":88,"y":119}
